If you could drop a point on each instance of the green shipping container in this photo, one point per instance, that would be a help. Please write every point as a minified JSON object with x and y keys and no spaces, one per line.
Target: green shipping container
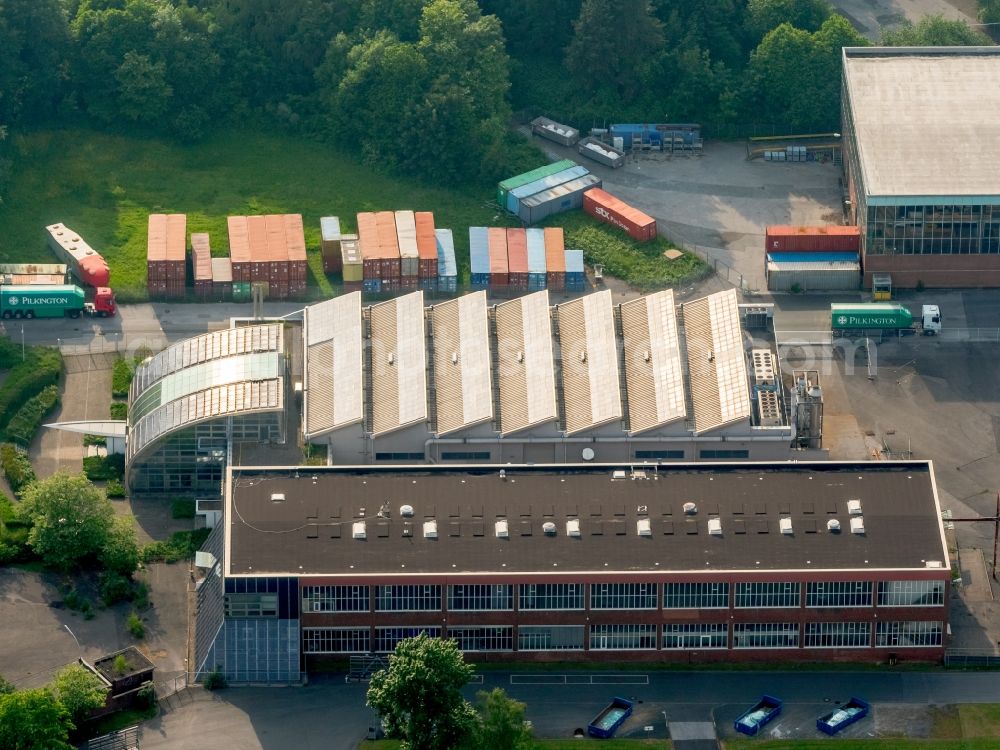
{"x":241,"y":291}
{"x":875,"y":316}
{"x":41,"y":301}
{"x":535,"y":174}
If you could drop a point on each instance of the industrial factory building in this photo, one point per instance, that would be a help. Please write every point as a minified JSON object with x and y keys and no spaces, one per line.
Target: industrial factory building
{"x":576,"y":562}
{"x":921,"y":145}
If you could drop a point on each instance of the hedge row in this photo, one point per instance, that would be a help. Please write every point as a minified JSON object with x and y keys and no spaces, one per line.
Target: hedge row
{"x":98,"y":468}
{"x":122,"y":373}
{"x":119,"y":410}
{"x":41,"y":367}
{"x":22,"y":428}
{"x":16,"y":467}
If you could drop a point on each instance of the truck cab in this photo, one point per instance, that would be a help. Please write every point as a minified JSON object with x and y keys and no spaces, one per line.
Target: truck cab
{"x":103,"y":304}
{"x":930,"y":319}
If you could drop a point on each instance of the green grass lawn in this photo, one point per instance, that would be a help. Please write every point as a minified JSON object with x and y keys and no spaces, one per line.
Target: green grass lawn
{"x":105,"y":186}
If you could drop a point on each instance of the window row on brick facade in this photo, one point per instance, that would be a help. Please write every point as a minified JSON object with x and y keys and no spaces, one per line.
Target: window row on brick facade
{"x":636,"y":636}
{"x":625,"y":596}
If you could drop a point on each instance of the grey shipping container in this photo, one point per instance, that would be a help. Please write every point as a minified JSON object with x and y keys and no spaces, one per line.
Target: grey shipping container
{"x":514,"y":197}
{"x":447,"y":268}
{"x":479,"y":254}
{"x":552,"y":130}
{"x":601,"y":152}
{"x":558,"y":199}
{"x":813,"y":276}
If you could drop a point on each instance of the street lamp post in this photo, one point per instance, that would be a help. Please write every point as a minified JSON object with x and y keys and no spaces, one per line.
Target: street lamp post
{"x":22,"y":342}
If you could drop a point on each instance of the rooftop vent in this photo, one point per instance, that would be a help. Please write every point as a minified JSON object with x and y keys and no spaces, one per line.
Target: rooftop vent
{"x":934,"y":564}
{"x":454,"y":358}
{"x":645,"y":355}
{"x":639,"y":474}
{"x":643,"y":527}
{"x":785,"y":524}
{"x":715,"y":527}
{"x":833,"y":525}
{"x":549,"y":528}
{"x":583,"y":356}
{"x":277,"y":497}
{"x":573,"y":527}
{"x":389,"y":358}
{"x":619,"y":474}
{"x":587,"y":454}
{"x":502,"y":531}
{"x":690,"y":509}
{"x":406,"y":511}
{"x":857,"y":525}
{"x":854,"y":507}
{"x":520,"y":356}
{"x":430,"y":529}
{"x":358,"y":530}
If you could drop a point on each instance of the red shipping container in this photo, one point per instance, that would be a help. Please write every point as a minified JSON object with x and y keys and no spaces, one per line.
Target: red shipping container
{"x":408,"y":282}
{"x":555,"y":258}
{"x":799,"y":239}
{"x":426,"y":244}
{"x":201,"y":259}
{"x":605,"y":207}
{"x":517,"y":258}
{"x":498,"y":256}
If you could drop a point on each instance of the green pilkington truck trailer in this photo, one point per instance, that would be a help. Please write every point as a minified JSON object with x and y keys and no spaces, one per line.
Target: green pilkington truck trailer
{"x":53,"y":301}
{"x":883,"y":316}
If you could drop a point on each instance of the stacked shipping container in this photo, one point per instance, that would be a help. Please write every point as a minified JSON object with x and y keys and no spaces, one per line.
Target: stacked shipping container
{"x":515,"y":196}
{"x":295,"y":242}
{"x":379,"y":251}
{"x":447,"y":268}
{"x":166,"y":264}
{"x":499,"y":270}
{"x":426,"y":245}
{"x":352,"y":266}
{"x":607,"y":208}
{"x":536,"y":259}
{"x":517,"y":259}
{"x":269,"y":249}
{"x":796,"y":239}
{"x":575,"y":278}
{"x":555,"y":258}
{"x":222,"y":278}
{"x":523,"y":179}
{"x":329,"y":246}
{"x":555,"y":200}
{"x":823,"y":258}
{"x":201,"y":265}
{"x":479,"y":256}
{"x":409,"y":256}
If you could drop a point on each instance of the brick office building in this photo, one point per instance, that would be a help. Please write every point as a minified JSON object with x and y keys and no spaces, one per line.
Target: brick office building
{"x":678,"y":563}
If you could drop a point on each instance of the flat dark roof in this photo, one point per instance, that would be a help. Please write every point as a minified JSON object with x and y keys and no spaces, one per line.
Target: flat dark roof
{"x":310,"y":530}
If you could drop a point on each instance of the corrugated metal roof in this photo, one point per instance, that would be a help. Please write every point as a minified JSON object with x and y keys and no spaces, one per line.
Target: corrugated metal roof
{"x":334,"y":385}
{"x":208,"y":346}
{"x":716,"y":362}
{"x":399,"y":363}
{"x":654,"y":372}
{"x":589,"y":356}
{"x":524,"y":362}
{"x":462,"y":382}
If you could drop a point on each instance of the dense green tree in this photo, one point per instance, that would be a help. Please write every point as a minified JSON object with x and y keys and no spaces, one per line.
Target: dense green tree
{"x":989,"y":12}
{"x":33,"y":720}
{"x":80,"y":691}
{"x":501,"y":723}
{"x":33,"y":37}
{"x":934,"y":31}
{"x":419,"y":695}
{"x":714,"y":26}
{"x":764,"y":15}
{"x":71,"y":520}
{"x":614,"y":45}
{"x":5,"y":686}
{"x":120,"y":553}
{"x":535,"y":28}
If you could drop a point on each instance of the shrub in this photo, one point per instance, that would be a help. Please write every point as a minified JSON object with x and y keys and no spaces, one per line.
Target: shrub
{"x":10,"y":353}
{"x":25,"y":423}
{"x":135,"y":626}
{"x":215,"y":680}
{"x":77,"y":602}
{"x":795,"y":288}
{"x":94,"y":440}
{"x":111,"y":466}
{"x":41,"y":368}
{"x":183,"y":508}
{"x":145,"y":697}
{"x":121,"y":376}
{"x":114,"y":588}
{"x":140,"y":595}
{"x":114,"y":488}
{"x":180,"y":546}
{"x":119,"y":665}
{"x":119,"y":410}
{"x":16,"y":467}
{"x":920,"y":286}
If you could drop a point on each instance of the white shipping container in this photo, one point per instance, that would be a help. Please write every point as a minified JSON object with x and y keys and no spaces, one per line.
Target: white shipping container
{"x":406,"y":234}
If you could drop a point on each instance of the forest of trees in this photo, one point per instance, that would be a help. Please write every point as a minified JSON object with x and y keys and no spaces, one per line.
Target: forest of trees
{"x":428,"y":87}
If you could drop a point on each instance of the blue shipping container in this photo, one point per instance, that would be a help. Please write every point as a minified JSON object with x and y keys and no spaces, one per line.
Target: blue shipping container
{"x":555,"y":200}
{"x":574,"y":262}
{"x":515,"y":196}
{"x":373,"y":286}
{"x":536,"y":251}
{"x":447,"y":284}
{"x":479,"y":251}
{"x":536,"y":281}
{"x":818,"y":257}
{"x":688,"y":133}
{"x":446,"y":252}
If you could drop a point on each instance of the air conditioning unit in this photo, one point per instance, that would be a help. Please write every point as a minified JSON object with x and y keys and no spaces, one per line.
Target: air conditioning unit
{"x":501,"y":530}
{"x":573,"y":527}
{"x":715,"y":527}
{"x":643,"y":527}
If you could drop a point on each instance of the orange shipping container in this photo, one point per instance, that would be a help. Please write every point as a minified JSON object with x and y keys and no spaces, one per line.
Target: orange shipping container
{"x":201,"y":257}
{"x":497,"y":237}
{"x":517,"y":258}
{"x":799,"y":239}
{"x":555,"y":258}
{"x":426,"y":244}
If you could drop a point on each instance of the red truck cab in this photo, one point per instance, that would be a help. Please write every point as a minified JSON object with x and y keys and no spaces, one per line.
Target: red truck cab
{"x":104,"y":305}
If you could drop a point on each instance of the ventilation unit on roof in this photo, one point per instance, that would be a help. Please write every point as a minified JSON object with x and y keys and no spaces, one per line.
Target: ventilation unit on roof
{"x":430,"y":529}
{"x":587,"y":454}
{"x":389,"y":358}
{"x":763,"y":367}
{"x":934,"y":564}
{"x":833,"y":525}
{"x":618,"y":474}
{"x":785,"y":524}
{"x":769,"y":409}
{"x":573,"y":527}
{"x":406,"y":511}
{"x":854,"y":507}
{"x":454,"y":358}
{"x":277,"y":497}
{"x":715,"y":527}
{"x":690,"y":509}
{"x":643,"y":527}
{"x":501,"y":529}
{"x":549,"y":528}
{"x":358,"y":530}
{"x":857,"y":525}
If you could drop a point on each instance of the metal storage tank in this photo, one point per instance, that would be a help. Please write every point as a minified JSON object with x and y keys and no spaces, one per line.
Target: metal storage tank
{"x":330,"y":244}
{"x":553,"y":131}
{"x":601,"y":152}
{"x":536,"y":258}
{"x":479,"y":256}
{"x":820,"y":273}
{"x":523,"y":179}
{"x":563,"y":198}
{"x":447,"y":268}
{"x":514,"y":197}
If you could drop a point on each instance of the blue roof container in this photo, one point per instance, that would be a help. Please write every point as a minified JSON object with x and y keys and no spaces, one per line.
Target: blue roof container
{"x":574,"y":261}
{"x":550,"y":181}
{"x":446,"y":252}
{"x":536,"y":251}
{"x":479,"y":250}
